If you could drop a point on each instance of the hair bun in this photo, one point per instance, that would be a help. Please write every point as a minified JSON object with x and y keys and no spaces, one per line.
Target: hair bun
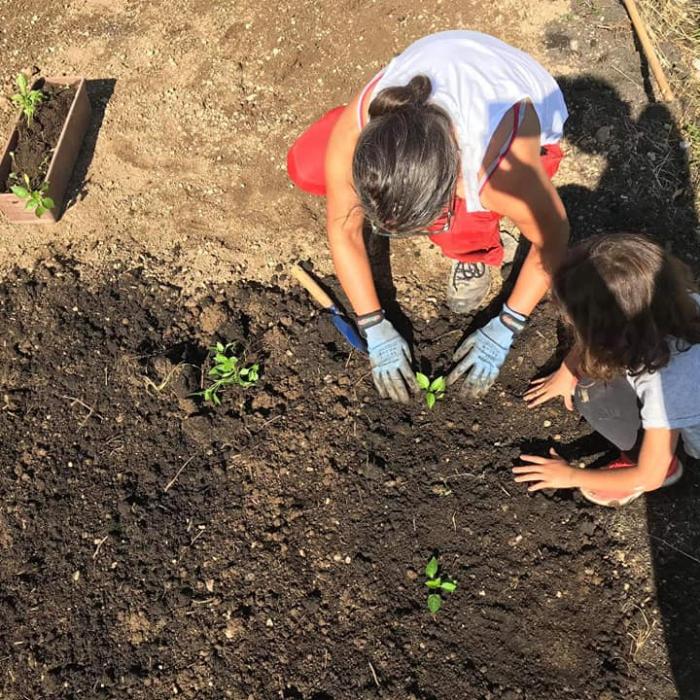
{"x":416,"y":94}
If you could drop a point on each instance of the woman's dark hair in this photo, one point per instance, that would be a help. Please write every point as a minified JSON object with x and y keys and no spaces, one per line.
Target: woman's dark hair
{"x":406,"y":161}
{"x":627,"y":300}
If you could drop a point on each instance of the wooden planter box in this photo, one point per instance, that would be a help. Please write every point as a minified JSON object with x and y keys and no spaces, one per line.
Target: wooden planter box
{"x":62,"y":161}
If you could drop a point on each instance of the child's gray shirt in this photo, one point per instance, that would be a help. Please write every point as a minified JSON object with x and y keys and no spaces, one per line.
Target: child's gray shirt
{"x":670,"y":397}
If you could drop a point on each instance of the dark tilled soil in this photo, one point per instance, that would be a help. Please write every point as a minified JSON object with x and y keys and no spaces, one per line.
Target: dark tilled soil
{"x":37,"y":140}
{"x":273,"y":548}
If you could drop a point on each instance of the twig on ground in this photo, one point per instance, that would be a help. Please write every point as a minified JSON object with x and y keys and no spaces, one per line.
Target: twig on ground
{"x":268,"y":422}
{"x":159,"y":387}
{"x":347,"y":362}
{"x":675,"y":549}
{"x":91,"y":411}
{"x":374,"y":674}
{"x":99,"y":544}
{"x":642,"y":636}
{"x":362,"y":378}
{"x":632,"y":80}
{"x":454,"y":331}
{"x":198,"y":535}
{"x":505,"y":490}
{"x":179,"y":471}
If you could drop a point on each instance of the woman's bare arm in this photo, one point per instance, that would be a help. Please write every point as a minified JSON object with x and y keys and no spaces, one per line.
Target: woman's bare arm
{"x":344,"y":216}
{"x":521,"y":190}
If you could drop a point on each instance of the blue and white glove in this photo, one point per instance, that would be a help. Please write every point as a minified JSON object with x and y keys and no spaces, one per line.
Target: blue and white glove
{"x":390,"y":358}
{"x":483,"y":353}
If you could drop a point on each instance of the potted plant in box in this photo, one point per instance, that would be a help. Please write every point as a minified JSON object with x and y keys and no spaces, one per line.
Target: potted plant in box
{"x":38,"y":158}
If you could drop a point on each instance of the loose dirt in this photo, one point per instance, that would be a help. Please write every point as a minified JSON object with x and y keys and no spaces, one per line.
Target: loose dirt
{"x":285,"y":559}
{"x":275,"y":546}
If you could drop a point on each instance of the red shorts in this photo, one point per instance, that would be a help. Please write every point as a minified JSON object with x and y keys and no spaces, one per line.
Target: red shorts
{"x":473,"y":236}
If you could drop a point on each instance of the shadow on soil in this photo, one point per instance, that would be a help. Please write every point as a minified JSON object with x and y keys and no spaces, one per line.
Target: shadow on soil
{"x":99,"y":93}
{"x":646,"y":187}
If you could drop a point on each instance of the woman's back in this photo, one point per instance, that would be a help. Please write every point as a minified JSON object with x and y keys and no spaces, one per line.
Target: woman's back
{"x":476,"y":79}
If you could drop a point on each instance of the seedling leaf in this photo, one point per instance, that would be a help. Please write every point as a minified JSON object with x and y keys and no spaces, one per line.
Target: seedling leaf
{"x":448,"y":586}
{"x":430,"y":399}
{"x":438,"y":385}
{"x":431,"y":568}
{"x":27,"y":100}
{"x":227,"y":370}
{"x":34,"y":200}
{"x":433,"y":583}
{"x":434,"y":602}
{"x":423,"y":381}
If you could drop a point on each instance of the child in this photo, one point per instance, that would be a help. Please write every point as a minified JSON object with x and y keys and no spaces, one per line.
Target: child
{"x":634,"y":369}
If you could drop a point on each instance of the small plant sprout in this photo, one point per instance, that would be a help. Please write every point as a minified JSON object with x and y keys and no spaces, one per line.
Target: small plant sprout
{"x":27,"y":100}
{"x":433,"y":390}
{"x":228,"y":370}
{"x":436,"y":585}
{"x":35,"y":200}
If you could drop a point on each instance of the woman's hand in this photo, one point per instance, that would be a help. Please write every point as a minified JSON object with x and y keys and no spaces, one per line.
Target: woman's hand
{"x":560,"y":383}
{"x":552,"y":473}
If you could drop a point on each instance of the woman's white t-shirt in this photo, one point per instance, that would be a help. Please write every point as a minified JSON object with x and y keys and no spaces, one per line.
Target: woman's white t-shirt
{"x":476,"y":79}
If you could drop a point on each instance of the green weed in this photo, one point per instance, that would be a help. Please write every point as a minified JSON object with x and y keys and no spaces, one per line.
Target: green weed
{"x":35,"y":200}
{"x":27,"y":100}
{"x":433,"y":390}
{"x":228,"y":370}
{"x":436,"y":585}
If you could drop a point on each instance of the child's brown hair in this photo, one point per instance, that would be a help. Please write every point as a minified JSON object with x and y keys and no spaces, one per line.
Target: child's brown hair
{"x":626,"y":299}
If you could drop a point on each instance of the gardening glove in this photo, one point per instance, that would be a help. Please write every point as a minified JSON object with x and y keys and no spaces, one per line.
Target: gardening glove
{"x":389,"y":356}
{"x":483,"y":353}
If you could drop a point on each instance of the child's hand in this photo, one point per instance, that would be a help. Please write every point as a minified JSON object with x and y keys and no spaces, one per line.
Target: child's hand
{"x":552,"y":473}
{"x":560,"y":383}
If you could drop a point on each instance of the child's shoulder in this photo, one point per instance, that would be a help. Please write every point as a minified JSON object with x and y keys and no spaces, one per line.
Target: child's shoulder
{"x":680,"y":373}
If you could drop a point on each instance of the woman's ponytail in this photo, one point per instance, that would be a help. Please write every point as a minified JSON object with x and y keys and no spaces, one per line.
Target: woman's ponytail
{"x":406,"y":160}
{"x":416,"y":94}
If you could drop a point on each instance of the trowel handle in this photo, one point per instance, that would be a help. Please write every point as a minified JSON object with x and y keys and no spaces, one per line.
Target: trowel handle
{"x":311,"y":286}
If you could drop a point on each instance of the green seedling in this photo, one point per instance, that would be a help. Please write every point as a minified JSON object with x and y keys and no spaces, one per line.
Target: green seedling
{"x":27,"y":100}
{"x":35,"y":200}
{"x":228,"y":370}
{"x":436,"y":585}
{"x":433,"y":390}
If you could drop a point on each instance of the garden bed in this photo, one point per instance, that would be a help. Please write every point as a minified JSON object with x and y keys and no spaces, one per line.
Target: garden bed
{"x":274,"y":547}
{"x":36,"y":141}
{"x":41,"y":151}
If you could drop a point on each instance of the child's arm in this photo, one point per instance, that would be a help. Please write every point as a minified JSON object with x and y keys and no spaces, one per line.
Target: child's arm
{"x":560,"y":383}
{"x":658,"y":448}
